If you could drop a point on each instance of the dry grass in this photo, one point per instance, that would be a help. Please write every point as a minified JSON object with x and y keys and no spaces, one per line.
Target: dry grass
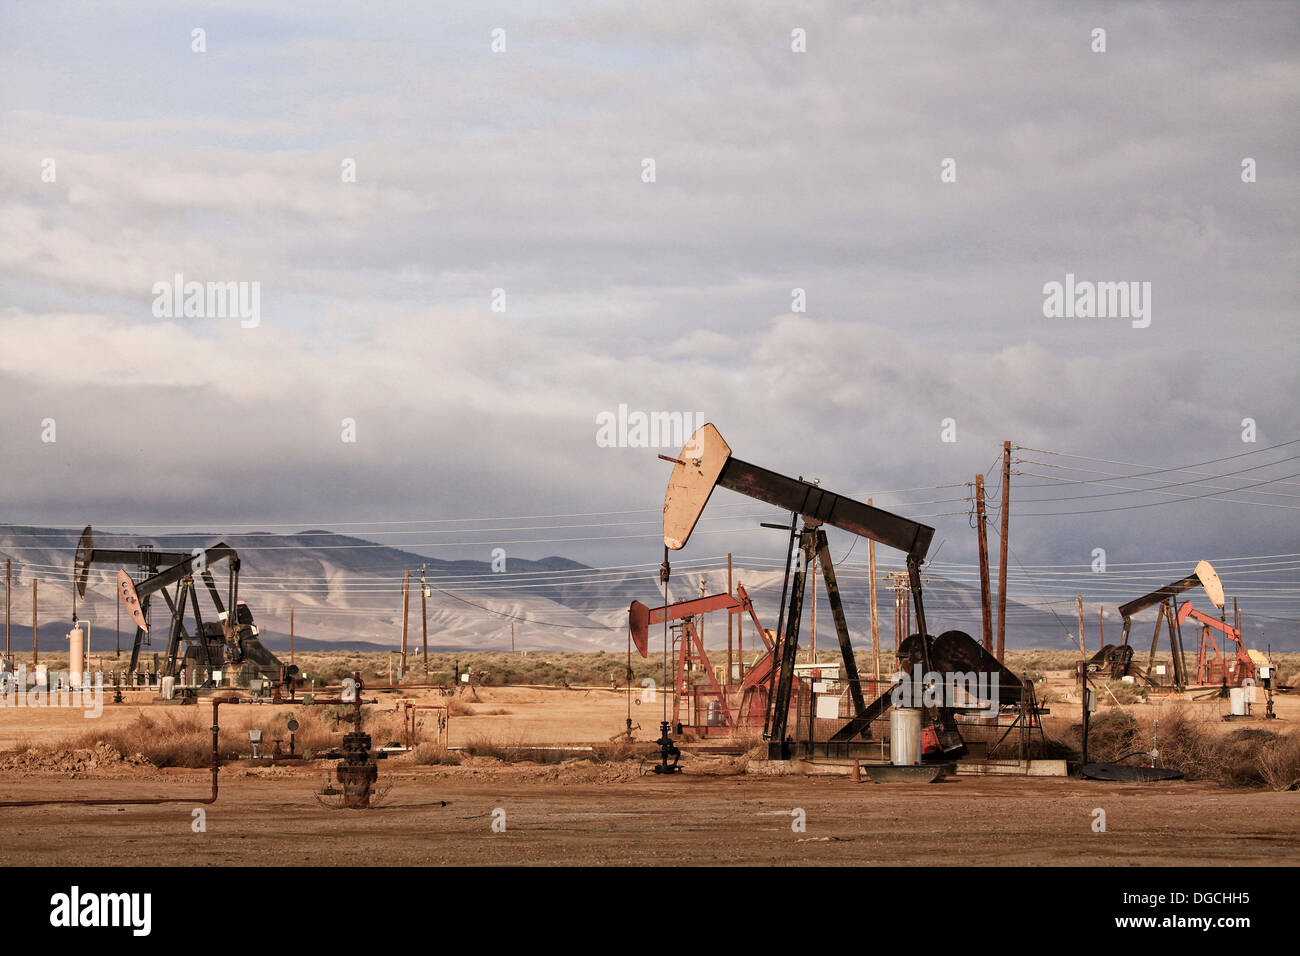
{"x":1245,"y":757}
{"x":459,"y":708}
{"x":432,"y":755}
{"x":1124,"y":692}
{"x":518,"y":750}
{"x":182,"y":737}
{"x":1279,"y":765}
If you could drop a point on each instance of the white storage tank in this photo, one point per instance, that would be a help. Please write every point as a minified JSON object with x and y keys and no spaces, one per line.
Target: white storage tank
{"x":168,"y":688}
{"x":1237,"y":701}
{"x":76,"y":655}
{"x":905,"y":736}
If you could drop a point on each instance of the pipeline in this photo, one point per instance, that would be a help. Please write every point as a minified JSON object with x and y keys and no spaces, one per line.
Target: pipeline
{"x":147,"y":801}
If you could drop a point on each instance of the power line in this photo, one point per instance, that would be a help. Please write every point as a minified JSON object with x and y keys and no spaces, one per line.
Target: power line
{"x":1156,"y":504}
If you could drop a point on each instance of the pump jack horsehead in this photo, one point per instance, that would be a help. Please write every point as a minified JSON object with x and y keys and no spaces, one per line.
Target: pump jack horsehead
{"x":230,"y":643}
{"x":705,"y":463}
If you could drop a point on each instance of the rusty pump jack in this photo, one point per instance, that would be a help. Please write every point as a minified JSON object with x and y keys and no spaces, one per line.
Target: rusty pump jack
{"x":1118,"y":660}
{"x":706,"y":463}
{"x":1242,"y":668}
{"x":641,"y":617}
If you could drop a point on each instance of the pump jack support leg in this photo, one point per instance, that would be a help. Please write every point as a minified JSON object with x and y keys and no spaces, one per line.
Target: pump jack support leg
{"x":178,"y":619}
{"x":780,"y":703}
{"x":1155,"y":638}
{"x":841,"y":625}
{"x":135,"y":649}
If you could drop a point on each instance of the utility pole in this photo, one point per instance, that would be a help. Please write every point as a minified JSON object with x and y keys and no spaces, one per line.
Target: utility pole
{"x":875,"y":624}
{"x":898,"y":616}
{"x":35,"y":652}
{"x":1002,"y":560}
{"x":1083,"y":648}
{"x":424,"y":623}
{"x":8,"y":601}
{"x":406,"y":607}
{"x":907,"y":612}
{"x":512,"y":637}
{"x":117,"y":631}
{"x":730,"y":592}
{"x":291,"y":634}
{"x":1101,"y":627}
{"x":986,"y":599}
{"x":901,"y":585}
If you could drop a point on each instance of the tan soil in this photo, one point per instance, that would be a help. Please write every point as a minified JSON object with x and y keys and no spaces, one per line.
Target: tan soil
{"x":443,"y":815}
{"x":587,"y":812}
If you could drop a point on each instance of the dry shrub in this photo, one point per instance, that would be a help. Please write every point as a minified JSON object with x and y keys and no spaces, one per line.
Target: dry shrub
{"x":1112,"y":734}
{"x":1187,"y":743}
{"x":1245,"y":757}
{"x":430,"y":755}
{"x":182,"y":737}
{"x":167,"y":740}
{"x":1124,"y":692}
{"x":459,"y":708}
{"x":1239,"y":754}
{"x":616,"y":751}
{"x":1279,"y":765}
{"x":518,"y":751}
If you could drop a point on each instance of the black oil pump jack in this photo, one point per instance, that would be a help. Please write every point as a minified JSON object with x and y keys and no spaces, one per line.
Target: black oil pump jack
{"x":231,"y":639}
{"x":705,"y":463}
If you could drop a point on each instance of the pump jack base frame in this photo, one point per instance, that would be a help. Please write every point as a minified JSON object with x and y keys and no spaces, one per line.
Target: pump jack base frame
{"x":915,"y":773}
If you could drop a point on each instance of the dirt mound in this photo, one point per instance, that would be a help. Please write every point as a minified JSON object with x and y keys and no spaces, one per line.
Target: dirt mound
{"x":99,"y":760}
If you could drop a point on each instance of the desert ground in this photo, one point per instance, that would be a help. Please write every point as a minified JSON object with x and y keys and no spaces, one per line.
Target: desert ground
{"x":581,"y":806}
{"x":434,"y":816}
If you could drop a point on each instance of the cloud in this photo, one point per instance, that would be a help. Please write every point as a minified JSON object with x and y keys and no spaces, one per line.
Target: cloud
{"x":521,"y":171}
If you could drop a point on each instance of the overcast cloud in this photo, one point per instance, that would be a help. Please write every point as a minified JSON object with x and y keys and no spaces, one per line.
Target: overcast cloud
{"x":522,"y":171}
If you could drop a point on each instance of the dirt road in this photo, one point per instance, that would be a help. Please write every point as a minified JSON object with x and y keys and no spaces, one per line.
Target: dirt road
{"x":436,"y":816}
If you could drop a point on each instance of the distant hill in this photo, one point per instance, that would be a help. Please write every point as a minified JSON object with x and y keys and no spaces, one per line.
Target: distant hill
{"x":347,"y":594}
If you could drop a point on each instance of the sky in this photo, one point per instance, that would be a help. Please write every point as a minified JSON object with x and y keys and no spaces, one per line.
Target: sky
{"x":517,"y":178}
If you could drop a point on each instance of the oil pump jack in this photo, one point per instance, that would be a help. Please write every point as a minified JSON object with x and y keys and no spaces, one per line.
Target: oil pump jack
{"x":1117,"y":660}
{"x":706,"y":463}
{"x":229,"y":645}
{"x":732,"y":709}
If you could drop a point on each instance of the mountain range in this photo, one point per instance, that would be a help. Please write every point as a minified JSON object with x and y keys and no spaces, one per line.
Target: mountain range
{"x":346,"y":593}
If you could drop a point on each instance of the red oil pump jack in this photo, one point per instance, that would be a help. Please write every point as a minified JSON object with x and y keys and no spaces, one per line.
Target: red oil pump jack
{"x":1242,"y":667}
{"x":705,"y":463}
{"x":738,"y":707}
